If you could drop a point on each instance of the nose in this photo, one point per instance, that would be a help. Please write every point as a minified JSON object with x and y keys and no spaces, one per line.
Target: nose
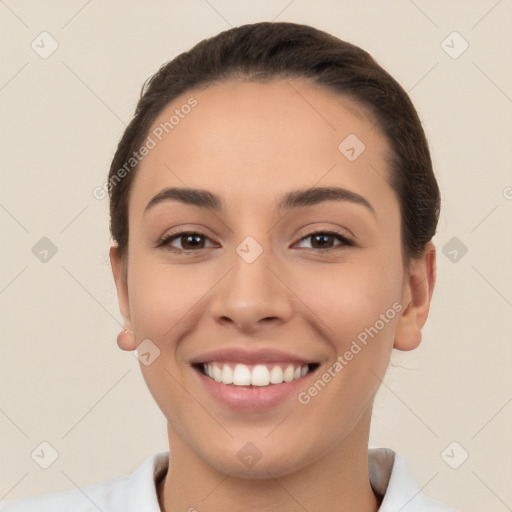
{"x":251,"y":295}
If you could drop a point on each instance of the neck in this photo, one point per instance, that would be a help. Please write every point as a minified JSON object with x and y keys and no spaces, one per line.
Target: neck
{"x":338,"y":480}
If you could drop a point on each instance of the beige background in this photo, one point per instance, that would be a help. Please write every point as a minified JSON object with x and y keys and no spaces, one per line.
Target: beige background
{"x":63,"y":378}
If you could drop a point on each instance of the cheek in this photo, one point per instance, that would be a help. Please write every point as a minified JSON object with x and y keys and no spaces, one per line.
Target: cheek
{"x":164,"y":298}
{"x":358,"y":304}
{"x":349,"y":297}
{"x":357,"y":307}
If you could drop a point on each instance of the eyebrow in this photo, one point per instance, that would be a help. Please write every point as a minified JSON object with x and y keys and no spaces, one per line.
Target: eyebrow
{"x":295,"y":199}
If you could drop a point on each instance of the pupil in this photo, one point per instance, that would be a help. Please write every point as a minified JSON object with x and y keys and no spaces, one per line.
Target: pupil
{"x":188,"y":237}
{"x":320,"y":236}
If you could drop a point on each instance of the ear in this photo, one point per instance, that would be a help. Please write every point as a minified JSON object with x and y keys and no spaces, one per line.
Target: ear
{"x":417,"y":294}
{"x":125,"y":342}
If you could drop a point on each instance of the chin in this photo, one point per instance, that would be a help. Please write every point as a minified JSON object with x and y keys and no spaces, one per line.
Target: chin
{"x":252,"y":464}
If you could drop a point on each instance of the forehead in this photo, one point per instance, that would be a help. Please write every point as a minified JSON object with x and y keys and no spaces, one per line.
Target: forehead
{"x":256,"y":141}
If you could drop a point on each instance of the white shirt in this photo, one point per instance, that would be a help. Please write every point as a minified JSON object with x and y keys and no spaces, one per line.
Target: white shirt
{"x":388,"y":471}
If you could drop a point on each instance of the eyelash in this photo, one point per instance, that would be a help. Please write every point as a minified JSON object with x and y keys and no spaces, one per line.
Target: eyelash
{"x":164,"y":242}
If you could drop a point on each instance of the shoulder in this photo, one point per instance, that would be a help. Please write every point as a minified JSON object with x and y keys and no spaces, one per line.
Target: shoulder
{"x":126,"y":493}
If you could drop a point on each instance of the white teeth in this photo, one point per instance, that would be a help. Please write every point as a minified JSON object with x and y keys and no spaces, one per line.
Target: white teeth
{"x":288,"y":374}
{"x":258,"y":375}
{"x":241,"y":375}
{"x":276,"y":375}
{"x":217,"y":373}
{"x":227,"y":374}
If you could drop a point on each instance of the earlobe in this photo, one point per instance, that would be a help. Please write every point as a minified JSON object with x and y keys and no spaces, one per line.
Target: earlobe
{"x":125,"y":339}
{"x":417,"y":294}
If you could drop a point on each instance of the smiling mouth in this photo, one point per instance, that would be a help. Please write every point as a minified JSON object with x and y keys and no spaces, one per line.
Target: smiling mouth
{"x":254,"y":375}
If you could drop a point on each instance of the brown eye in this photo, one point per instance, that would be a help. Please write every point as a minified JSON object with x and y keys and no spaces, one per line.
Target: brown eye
{"x":189,"y":241}
{"x":323,"y":240}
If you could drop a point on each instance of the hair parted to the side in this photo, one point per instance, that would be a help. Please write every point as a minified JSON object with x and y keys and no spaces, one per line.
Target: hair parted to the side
{"x":270,"y":50}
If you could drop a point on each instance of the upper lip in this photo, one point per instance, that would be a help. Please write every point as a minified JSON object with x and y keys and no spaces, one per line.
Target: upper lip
{"x":249,"y":356}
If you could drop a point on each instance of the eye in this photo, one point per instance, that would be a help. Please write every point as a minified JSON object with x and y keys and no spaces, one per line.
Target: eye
{"x":190,"y":241}
{"x":323,"y":240}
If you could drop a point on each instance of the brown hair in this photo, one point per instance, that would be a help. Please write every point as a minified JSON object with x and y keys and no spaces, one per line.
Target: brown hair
{"x":269,"y":50}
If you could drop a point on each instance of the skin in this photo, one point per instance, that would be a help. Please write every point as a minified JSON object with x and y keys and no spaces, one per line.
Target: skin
{"x":250,"y":143}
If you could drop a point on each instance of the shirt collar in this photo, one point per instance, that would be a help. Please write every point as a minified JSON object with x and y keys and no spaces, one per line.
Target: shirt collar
{"x":391,"y":478}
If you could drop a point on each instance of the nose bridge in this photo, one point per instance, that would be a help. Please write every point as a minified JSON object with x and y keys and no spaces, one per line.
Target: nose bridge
{"x":251,"y":291}
{"x":251,"y":264}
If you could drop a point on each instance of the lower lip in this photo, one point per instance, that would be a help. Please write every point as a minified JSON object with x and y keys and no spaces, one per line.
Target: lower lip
{"x":254,"y":398}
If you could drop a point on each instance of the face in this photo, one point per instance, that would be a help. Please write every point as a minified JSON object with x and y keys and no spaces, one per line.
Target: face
{"x":273,"y":277}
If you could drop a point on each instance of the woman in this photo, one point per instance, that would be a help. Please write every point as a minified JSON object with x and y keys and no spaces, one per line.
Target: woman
{"x":272,"y":209}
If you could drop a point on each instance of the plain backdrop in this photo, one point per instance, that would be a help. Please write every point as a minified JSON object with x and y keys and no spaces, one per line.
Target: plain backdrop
{"x":447,"y":407}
